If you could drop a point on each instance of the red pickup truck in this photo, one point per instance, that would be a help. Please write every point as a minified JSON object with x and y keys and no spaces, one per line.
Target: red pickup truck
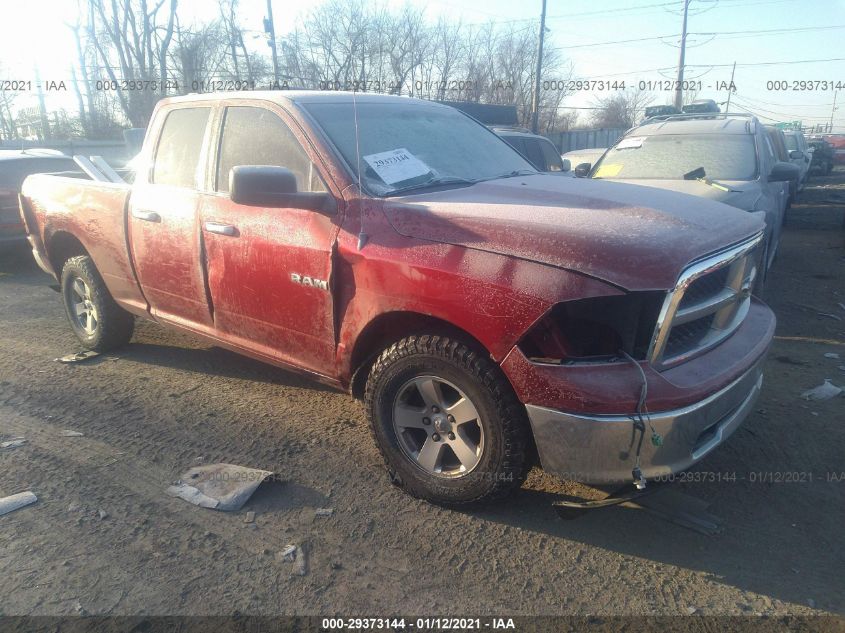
{"x":399,"y":250}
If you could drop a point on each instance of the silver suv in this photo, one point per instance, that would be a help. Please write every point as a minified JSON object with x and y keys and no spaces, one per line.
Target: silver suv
{"x":725,"y":157}
{"x":799,"y":154}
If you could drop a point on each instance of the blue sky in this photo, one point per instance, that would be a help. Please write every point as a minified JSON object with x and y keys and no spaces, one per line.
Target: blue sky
{"x":38,"y":35}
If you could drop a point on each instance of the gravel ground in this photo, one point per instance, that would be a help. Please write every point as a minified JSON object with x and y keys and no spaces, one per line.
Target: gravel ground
{"x":104,"y":538}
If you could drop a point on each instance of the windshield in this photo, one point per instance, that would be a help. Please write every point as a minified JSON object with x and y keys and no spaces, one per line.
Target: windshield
{"x":410,"y":145}
{"x":670,"y":156}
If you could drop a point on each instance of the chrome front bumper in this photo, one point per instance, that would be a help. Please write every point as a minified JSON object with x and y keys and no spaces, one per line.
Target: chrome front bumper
{"x":601,"y":449}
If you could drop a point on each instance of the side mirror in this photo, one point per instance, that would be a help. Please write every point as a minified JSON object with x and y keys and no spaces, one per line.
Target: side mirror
{"x":583,"y":170}
{"x":796,"y":154}
{"x":783,"y":172}
{"x":567,"y":166}
{"x":270,"y":186}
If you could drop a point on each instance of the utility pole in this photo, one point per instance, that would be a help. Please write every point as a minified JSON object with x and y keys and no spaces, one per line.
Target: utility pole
{"x":832,"y":110}
{"x":271,"y":29}
{"x":730,"y":89}
{"x":535,"y":102}
{"x":679,"y":89}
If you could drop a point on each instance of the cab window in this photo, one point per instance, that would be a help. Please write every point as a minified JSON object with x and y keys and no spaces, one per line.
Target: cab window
{"x":256,"y":136}
{"x":179,"y":147}
{"x":534,"y":154}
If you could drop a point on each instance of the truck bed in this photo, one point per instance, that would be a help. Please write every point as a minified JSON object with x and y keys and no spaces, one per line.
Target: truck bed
{"x":61,"y":212}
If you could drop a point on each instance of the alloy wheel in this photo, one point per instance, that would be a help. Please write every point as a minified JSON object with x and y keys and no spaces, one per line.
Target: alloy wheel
{"x":438,"y":427}
{"x":84,"y":310}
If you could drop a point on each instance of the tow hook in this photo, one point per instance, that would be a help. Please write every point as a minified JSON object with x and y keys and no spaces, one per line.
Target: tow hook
{"x":639,"y":480}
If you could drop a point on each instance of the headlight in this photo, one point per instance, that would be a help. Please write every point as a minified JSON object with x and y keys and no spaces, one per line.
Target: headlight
{"x":594,"y":329}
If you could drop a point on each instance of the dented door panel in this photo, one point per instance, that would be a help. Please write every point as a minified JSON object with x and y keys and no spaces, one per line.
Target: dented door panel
{"x":256,"y":280}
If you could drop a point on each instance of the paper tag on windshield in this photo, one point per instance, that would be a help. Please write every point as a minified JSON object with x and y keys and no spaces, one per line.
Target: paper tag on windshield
{"x":608,"y":171}
{"x":397,"y":165}
{"x":630,"y":143}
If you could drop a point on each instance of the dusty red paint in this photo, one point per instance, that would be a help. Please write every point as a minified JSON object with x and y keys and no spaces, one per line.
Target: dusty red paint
{"x":488,"y":260}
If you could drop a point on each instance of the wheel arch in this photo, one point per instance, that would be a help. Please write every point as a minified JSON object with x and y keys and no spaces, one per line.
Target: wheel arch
{"x":389,"y":327}
{"x":61,"y":246}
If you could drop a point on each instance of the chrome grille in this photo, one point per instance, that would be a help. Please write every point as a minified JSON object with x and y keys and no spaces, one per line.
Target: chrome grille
{"x":708,"y":303}
{"x":705,"y":287}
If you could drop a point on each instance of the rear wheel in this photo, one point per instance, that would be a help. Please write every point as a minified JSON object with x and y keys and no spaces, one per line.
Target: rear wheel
{"x":446,"y":421}
{"x":98,"y":322}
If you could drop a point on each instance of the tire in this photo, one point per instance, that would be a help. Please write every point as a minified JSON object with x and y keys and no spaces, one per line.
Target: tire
{"x":489,"y":426}
{"x":98,"y":322}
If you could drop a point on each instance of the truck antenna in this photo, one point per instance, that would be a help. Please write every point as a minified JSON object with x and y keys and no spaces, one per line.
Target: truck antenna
{"x":362,"y":234}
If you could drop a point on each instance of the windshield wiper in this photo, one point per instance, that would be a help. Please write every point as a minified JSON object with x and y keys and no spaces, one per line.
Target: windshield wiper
{"x":699,"y":175}
{"x":514,"y":173}
{"x":434,"y":182}
{"x":696,"y":174}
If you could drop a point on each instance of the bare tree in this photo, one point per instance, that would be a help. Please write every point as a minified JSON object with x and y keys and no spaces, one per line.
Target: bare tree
{"x":340,"y":44}
{"x":8,"y":127}
{"x":353,"y":44}
{"x":198,"y":54}
{"x":622,"y":109}
{"x":87,"y":112}
{"x":132,"y":40}
{"x":235,"y":41}
{"x":407,"y":49}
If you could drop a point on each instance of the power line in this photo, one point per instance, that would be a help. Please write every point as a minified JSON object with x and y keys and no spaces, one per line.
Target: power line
{"x":615,"y":10}
{"x":639,"y":39}
{"x":788,"y":105}
{"x":802,"y":29}
{"x":567,"y":16}
{"x":632,"y":72}
{"x":782,"y":115}
{"x":798,"y":61}
{"x":720,"y":35}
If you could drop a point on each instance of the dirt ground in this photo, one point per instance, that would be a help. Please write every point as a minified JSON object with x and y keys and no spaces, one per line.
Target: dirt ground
{"x":166,"y":403}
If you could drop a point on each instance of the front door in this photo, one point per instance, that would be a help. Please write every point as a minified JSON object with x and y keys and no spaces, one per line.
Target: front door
{"x":269,"y":269}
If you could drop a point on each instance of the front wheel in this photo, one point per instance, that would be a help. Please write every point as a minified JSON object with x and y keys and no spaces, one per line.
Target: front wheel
{"x":446,"y":420}
{"x":98,"y":322}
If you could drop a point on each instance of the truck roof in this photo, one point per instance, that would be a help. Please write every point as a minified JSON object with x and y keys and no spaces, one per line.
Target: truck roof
{"x":719,"y":125}
{"x":284,"y":97}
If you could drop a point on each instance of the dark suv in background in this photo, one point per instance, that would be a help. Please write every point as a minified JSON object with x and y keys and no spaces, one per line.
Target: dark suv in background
{"x":823,"y":155}
{"x":539,"y":150}
{"x":15,"y":166}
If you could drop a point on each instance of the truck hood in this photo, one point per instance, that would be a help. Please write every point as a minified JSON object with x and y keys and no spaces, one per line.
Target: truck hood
{"x":634,"y":237}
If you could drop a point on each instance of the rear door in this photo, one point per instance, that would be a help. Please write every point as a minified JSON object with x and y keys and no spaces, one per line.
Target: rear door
{"x":269,"y":269}
{"x":163,"y":224}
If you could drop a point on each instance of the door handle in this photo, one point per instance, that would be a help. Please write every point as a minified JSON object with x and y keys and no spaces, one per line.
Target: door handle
{"x":221,"y":229}
{"x":146,"y":216}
